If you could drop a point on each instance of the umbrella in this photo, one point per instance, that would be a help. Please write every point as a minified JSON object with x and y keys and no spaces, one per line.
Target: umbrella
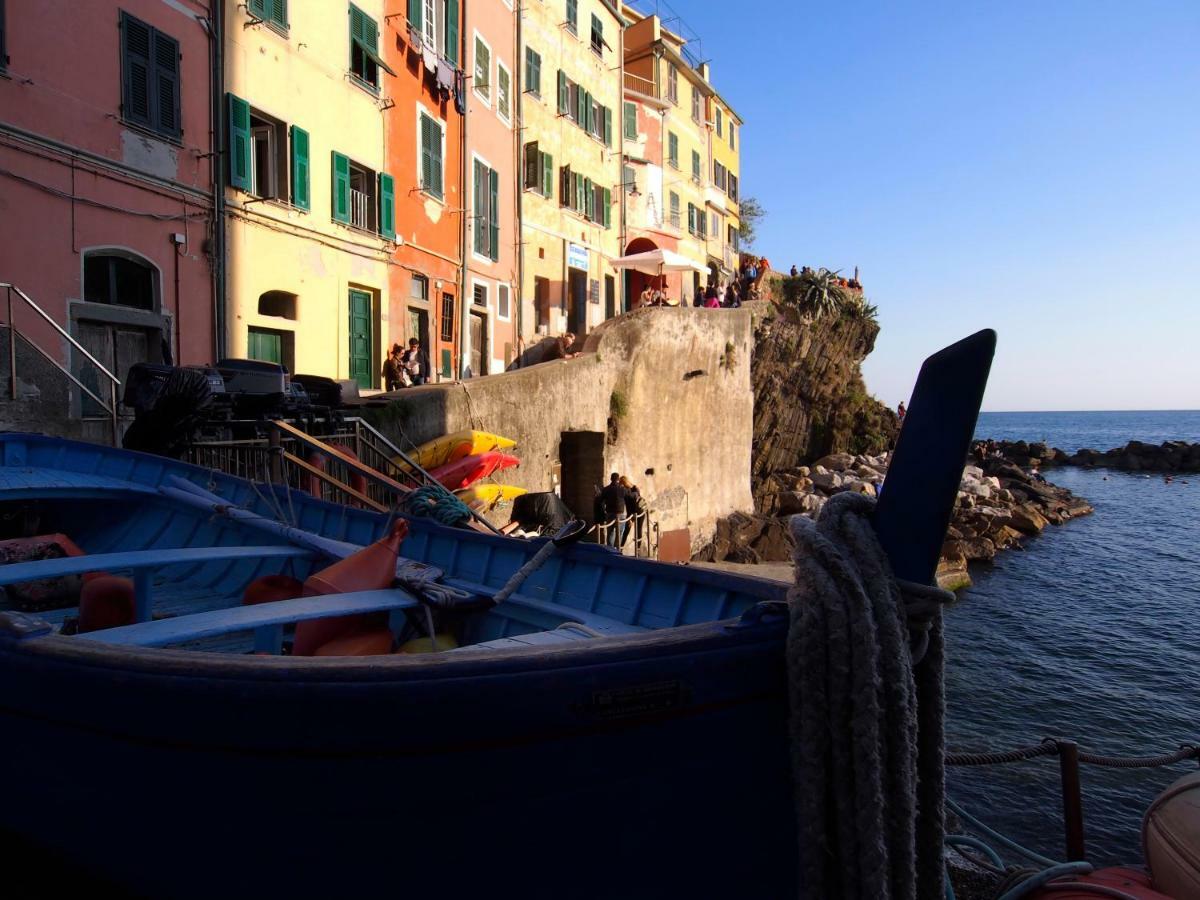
{"x":656,"y":262}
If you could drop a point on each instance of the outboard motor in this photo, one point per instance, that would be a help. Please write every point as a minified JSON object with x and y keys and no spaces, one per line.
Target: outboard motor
{"x":170,"y":406}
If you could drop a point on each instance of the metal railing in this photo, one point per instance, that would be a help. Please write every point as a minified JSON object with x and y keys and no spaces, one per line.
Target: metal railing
{"x":359,"y":209}
{"x":642,"y":85}
{"x":638,"y":533}
{"x":113,"y":382}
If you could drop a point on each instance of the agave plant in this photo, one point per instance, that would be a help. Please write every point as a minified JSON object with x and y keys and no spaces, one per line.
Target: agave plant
{"x":857,"y":307}
{"x":820,"y":293}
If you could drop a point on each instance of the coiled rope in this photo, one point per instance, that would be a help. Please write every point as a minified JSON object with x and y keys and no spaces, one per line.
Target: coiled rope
{"x":432,"y":501}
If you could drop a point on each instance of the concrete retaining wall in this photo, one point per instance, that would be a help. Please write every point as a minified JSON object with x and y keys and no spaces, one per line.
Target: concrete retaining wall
{"x":668,"y":388}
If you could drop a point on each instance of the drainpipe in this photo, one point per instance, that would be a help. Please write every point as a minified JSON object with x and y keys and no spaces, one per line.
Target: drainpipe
{"x":519,"y":182}
{"x":464,"y":357}
{"x":624,"y":274}
{"x":216,"y":31}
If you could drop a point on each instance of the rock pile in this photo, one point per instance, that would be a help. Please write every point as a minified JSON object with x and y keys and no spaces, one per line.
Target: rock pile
{"x":998,"y":505}
{"x":1136,"y":456}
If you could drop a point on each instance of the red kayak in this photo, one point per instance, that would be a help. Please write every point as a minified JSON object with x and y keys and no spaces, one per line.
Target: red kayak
{"x":468,"y":470}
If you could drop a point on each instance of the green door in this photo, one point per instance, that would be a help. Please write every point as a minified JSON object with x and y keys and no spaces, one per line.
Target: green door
{"x":265,"y":345}
{"x":361,"y":369}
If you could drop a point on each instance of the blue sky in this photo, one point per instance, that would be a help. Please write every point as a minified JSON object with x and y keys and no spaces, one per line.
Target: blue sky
{"x":1031,"y":166}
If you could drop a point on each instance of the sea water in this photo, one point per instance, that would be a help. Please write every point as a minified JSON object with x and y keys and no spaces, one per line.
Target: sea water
{"x":1091,"y":633}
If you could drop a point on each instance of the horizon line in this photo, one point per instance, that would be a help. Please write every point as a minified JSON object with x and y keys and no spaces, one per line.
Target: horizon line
{"x":1130,"y":409}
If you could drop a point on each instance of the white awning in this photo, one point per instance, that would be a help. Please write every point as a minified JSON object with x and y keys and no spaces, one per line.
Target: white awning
{"x":655,"y":262}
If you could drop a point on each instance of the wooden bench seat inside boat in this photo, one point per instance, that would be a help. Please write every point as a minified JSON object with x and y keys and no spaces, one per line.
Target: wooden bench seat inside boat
{"x":561,"y":612}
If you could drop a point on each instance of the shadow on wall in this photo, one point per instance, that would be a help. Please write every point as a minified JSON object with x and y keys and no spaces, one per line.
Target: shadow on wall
{"x":534,"y":354}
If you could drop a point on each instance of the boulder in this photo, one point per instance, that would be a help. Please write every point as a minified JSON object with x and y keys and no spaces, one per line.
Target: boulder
{"x":977,"y":489}
{"x":972,"y":472}
{"x":825,"y":480}
{"x":790,"y":503}
{"x":1026,"y":519}
{"x":837,"y":462}
{"x":803,"y":472}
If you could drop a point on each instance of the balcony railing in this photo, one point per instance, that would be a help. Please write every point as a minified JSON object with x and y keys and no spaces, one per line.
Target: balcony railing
{"x":642,"y":85}
{"x":360,"y":207}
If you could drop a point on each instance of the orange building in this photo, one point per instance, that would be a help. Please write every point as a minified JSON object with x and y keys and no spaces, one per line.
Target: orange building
{"x":424,"y":47}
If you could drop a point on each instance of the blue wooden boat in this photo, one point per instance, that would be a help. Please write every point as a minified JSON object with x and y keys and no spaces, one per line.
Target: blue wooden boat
{"x":616,"y":727}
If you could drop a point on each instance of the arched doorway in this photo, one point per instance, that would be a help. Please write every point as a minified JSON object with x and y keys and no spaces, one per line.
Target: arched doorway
{"x":635,"y":282}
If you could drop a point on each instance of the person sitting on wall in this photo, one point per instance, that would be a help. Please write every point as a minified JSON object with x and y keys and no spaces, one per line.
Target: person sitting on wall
{"x":644,"y":298}
{"x":794,"y":271}
{"x":731,"y":297}
{"x":415,"y":362}
{"x":393,"y":372}
{"x":561,"y":348}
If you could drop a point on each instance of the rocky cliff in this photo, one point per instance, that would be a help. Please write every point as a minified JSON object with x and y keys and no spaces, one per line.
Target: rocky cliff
{"x":809,"y":396}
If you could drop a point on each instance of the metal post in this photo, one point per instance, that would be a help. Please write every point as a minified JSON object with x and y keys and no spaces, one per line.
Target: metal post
{"x":112,"y":395}
{"x":1068,"y":764}
{"x":275,"y":456}
{"x":12,"y":349}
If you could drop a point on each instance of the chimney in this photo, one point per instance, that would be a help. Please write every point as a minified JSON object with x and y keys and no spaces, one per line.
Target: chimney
{"x":703,"y":70}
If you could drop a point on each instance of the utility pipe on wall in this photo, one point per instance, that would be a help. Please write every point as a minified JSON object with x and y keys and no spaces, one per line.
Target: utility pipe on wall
{"x":468,"y":209}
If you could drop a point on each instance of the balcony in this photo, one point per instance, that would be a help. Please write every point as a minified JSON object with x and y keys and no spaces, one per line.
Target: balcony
{"x":714,"y":196}
{"x":360,"y":207}
{"x":640,"y":85}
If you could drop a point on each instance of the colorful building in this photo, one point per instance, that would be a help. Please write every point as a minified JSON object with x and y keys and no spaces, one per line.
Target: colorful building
{"x":662,"y":83}
{"x":424,"y":152}
{"x":310,"y":203}
{"x":491,"y":314}
{"x":722,"y":195}
{"x":570,"y":103}
{"x":106,"y":197}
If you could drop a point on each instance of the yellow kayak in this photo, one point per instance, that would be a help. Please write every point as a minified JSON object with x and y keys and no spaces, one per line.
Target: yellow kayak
{"x":489,"y":494}
{"x":453,"y":447}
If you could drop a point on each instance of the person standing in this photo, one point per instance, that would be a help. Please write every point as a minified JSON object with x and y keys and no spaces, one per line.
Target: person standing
{"x":392,"y":370}
{"x":901,"y":412}
{"x":636,"y":508}
{"x":415,"y":362}
{"x":615,"y":499}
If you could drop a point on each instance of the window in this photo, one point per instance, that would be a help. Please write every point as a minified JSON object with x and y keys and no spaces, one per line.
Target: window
{"x":582,"y":195}
{"x":269,"y":159}
{"x":418,"y":288}
{"x":597,"y":35}
{"x":733,"y":187}
{"x":631,"y":131}
{"x":731,"y":144}
{"x":363,"y":198}
{"x":280,"y":304}
{"x":533,"y":72}
{"x":483,"y":69}
{"x":258,"y":154}
{"x":719,"y":172}
{"x":479,"y":294}
{"x":116,"y":279}
{"x":273,"y":12}
{"x":673,"y":149}
{"x":149,"y":78}
{"x":674,"y":209}
{"x":672,"y":83}
{"x":447,"y":317}
{"x":270,"y":345}
{"x":573,"y":16}
{"x":583,"y":109}
{"x":732,"y":237}
{"x":539,"y":171}
{"x":431,"y":137}
{"x":365,"y":61}
{"x":719,"y":122}
{"x":503,"y":80}
{"x":628,"y":179}
{"x":502,"y":301}
{"x":697,"y":222}
{"x":695,"y":166}
{"x":695,"y":103}
{"x":487,"y":212}
{"x":435,"y":24}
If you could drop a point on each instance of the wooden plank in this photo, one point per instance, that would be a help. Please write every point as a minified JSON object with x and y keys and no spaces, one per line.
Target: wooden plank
{"x":322,"y":447}
{"x":262,"y":617}
{"x":15,"y":573}
{"x":329,"y":479}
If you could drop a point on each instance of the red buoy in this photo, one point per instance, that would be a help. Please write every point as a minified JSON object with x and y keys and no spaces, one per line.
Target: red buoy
{"x":310,"y":482}
{"x":106,"y":601}
{"x":271,"y":588}
{"x":371,"y":568}
{"x":357,"y":480}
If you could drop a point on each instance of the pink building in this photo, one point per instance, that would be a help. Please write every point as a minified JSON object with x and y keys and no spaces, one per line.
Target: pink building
{"x":105,"y":196}
{"x":490,"y":188}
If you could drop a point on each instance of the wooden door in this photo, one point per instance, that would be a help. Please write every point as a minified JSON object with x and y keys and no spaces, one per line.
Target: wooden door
{"x":265,"y":345}
{"x":479,"y":350}
{"x":361,"y":343}
{"x":117,"y":348}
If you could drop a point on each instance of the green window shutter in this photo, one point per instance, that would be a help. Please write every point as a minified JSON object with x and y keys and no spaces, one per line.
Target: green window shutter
{"x":301,"y":180}
{"x":673,"y":149}
{"x":356,"y":23}
{"x":240,"y":148}
{"x":582,"y":107}
{"x":607,"y":208}
{"x":607,"y":127}
{"x":136,"y":38}
{"x":370,"y":32}
{"x":533,"y":165}
{"x":387,"y":206}
{"x":589,"y":199}
{"x":494,"y":214}
{"x":580,"y":199}
{"x":414,"y":14}
{"x":548,"y":176}
{"x":426,"y":154}
{"x":341,"y":188}
{"x":451,"y":31}
{"x":480,"y":221}
{"x":258,"y":8}
{"x":563,"y":98}
{"x":435,"y":131}
{"x":631,"y":131}
{"x":695,"y":164}
{"x":533,"y":71}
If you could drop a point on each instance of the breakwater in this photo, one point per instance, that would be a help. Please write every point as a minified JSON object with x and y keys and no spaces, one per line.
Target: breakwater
{"x":1133,"y":456}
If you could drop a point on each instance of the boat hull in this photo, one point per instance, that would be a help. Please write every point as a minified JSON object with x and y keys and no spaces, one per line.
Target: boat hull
{"x":648,"y":766}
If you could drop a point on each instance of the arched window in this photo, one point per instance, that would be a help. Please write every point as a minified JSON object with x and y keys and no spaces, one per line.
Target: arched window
{"x":277,"y":303}
{"x":120,"y":278}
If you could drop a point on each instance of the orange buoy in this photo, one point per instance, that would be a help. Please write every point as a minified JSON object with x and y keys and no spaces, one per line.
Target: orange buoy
{"x":310,"y":482}
{"x":357,"y":479}
{"x":270,"y":588}
{"x":371,"y":568}
{"x":106,"y":601}
{"x":377,"y":642}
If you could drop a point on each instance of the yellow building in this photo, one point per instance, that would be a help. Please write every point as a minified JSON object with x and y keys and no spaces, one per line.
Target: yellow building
{"x":309,"y":208}
{"x":723,"y":192}
{"x":570,"y":103}
{"x":657,"y":68}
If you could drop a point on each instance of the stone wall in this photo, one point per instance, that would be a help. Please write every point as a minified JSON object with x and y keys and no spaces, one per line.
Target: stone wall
{"x":667,"y":388}
{"x":809,"y":395}
{"x":43,"y":401}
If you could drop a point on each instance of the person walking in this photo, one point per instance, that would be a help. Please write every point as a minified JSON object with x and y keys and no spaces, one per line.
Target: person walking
{"x":415,"y":362}
{"x":615,"y":500}
{"x":392,"y":370}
